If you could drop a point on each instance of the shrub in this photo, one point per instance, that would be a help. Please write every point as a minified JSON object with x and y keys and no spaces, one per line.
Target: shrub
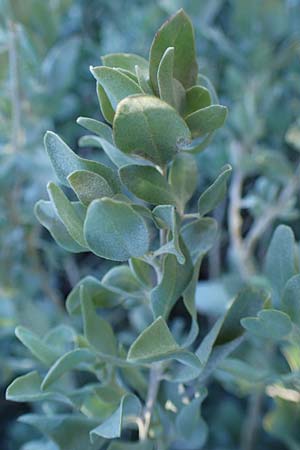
{"x":142,"y":374}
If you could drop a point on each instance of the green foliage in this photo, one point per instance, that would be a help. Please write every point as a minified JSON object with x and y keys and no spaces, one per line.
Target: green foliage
{"x":134,"y":362}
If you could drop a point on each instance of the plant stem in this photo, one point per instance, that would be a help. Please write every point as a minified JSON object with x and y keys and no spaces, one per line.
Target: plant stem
{"x":235,"y":223}
{"x":249,"y":431}
{"x":14,"y":88}
{"x":154,"y":381}
{"x":263,"y":222}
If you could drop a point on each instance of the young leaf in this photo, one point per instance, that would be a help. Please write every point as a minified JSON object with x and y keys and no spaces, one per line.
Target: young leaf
{"x":102,"y":296}
{"x":89,"y":186}
{"x":97,"y":331}
{"x":175,"y":279}
{"x":107,"y":110}
{"x":113,"y":230}
{"x":156,"y":343}
{"x":127,"y":61}
{"x":183,"y":178}
{"x":177,"y":32}
{"x":99,"y":128}
{"x":71,"y":217}
{"x":116,"y":84}
{"x":280,"y":260}
{"x":27,"y":388}
{"x":147,"y":183}
{"x":247,"y":303}
{"x":206,"y":120}
{"x":65,"y":161}
{"x":170,"y":90}
{"x":197,"y":97}
{"x":269,"y":324}
{"x":167,"y":217}
{"x":291,"y":299}
{"x":140,"y":128}
{"x":112,"y":427}
{"x":48,"y":217}
{"x":215,"y":193}
{"x":78,"y":358}
{"x":143,"y":271}
{"x":37,"y":347}
{"x":68,"y":431}
{"x":199,"y":236}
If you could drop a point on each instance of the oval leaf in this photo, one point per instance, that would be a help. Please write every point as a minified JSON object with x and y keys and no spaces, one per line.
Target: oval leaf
{"x":113,"y":230}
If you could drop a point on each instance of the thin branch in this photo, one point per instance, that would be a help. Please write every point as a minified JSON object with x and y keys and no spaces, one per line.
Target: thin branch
{"x":263,"y":222}
{"x":14,"y":87}
{"x":154,"y":382}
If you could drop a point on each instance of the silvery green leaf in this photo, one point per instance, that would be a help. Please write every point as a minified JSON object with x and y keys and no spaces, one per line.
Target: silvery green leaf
{"x":199,"y":236}
{"x":116,"y":84}
{"x":72,"y":217}
{"x":65,"y":161}
{"x":215,"y":193}
{"x":147,"y":183}
{"x":183,"y":177}
{"x":111,"y":428}
{"x":48,"y":217}
{"x":176,"y":32}
{"x":175,"y":279}
{"x":291,"y":300}
{"x":89,"y":186}
{"x":206,"y":120}
{"x":280,"y":261}
{"x":139,"y":128}
{"x":113,"y":230}
{"x":197,"y":97}
{"x":269,"y":324}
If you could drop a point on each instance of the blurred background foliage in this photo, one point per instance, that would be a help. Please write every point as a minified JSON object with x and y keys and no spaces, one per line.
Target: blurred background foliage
{"x":251,"y":52}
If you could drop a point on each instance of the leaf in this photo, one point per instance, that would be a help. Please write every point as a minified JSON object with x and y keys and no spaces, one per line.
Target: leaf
{"x":113,"y":230}
{"x":156,"y":343}
{"x":97,"y":331}
{"x":74,"y":359}
{"x":27,"y":388}
{"x":183,"y":177}
{"x":280,"y":260}
{"x":143,"y":271}
{"x":140,"y":128}
{"x":37,"y":347}
{"x":248,"y":302}
{"x":107,"y":110}
{"x":215,"y":193}
{"x":69,"y":215}
{"x":143,"y":81}
{"x":89,"y":186}
{"x":65,"y":161}
{"x":147,"y":183}
{"x":291,"y":299}
{"x":99,"y":128}
{"x":270,"y":324}
{"x":170,"y":90}
{"x":197,"y":97}
{"x":166,"y":217}
{"x":127,"y":61}
{"x":190,"y":426}
{"x":69,"y":432}
{"x":102,"y":296}
{"x":206,"y":120}
{"x":177,"y":32}
{"x":114,"y":154}
{"x":112,"y":427}
{"x":116,"y":84}
{"x":47,"y":216}
{"x":199,"y":236}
